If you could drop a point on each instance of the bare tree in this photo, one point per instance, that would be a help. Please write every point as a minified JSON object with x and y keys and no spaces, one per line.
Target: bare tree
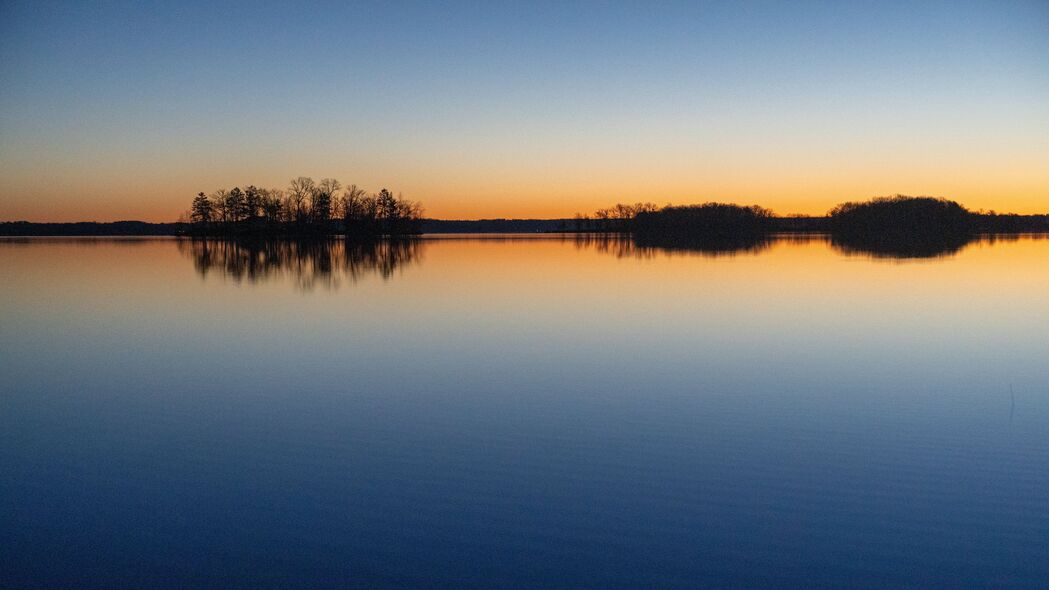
{"x":300,"y":190}
{"x":219,"y":199}
{"x":408,"y":209}
{"x":272,"y":207}
{"x":353,"y":203}
{"x":323,"y":198}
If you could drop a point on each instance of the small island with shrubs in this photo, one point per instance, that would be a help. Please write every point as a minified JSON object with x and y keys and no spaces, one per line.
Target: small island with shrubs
{"x":305,"y":208}
{"x":895,"y":226}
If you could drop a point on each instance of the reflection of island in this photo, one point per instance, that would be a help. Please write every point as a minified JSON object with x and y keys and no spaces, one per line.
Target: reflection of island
{"x":745,"y":243}
{"x":309,"y":262}
{"x":900,"y":246}
{"x":887,"y":247}
{"x":643,"y":246}
{"x":897,"y":227}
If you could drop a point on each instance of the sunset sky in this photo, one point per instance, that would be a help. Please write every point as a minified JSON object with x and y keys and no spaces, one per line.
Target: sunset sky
{"x":535,"y":109}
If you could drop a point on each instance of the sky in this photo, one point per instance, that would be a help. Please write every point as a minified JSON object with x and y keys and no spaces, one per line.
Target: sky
{"x":112,"y":111}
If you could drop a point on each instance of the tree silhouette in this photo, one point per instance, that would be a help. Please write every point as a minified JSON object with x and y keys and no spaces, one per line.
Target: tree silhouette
{"x":901,"y":215}
{"x":322,"y":199}
{"x":252,"y":202}
{"x":306,"y":208}
{"x":300,"y":190}
{"x":707,"y":221}
{"x":202,"y":209}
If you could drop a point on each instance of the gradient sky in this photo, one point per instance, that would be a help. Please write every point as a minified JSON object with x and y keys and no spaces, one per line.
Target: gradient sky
{"x":486,"y":109}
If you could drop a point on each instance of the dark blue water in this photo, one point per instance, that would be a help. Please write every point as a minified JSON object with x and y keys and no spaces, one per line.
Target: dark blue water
{"x":485,"y":413}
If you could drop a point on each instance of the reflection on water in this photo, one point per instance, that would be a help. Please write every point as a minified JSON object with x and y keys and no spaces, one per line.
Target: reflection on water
{"x":901,"y":247}
{"x":870,"y":246}
{"x":309,"y":262}
{"x":627,"y":246}
{"x":875,"y":247}
{"x":916,"y":247}
{"x":522,"y":411}
{"x":330,"y":263}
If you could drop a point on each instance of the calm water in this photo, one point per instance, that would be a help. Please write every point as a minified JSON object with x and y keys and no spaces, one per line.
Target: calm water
{"x":522,"y":412}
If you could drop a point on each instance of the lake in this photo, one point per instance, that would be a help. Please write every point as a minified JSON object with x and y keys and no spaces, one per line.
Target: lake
{"x":508,"y":411}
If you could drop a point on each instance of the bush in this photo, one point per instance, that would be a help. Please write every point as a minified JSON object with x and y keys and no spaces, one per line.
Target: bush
{"x":707,"y":221}
{"x":902,"y":216}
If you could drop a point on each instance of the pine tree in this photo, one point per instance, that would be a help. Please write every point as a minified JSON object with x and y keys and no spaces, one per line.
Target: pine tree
{"x":202,"y":209}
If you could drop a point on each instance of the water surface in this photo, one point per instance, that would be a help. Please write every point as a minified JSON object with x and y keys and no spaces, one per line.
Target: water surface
{"x":523,"y":411}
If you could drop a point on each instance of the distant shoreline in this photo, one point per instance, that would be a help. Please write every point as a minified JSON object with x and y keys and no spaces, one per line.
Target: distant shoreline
{"x":1020,"y":224}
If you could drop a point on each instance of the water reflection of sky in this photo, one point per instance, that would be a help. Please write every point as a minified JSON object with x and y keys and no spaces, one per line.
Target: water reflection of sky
{"x":531,"y":410}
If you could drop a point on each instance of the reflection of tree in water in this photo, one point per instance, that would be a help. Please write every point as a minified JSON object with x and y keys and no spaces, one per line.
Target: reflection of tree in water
{"x":883,"y":246}
{"x":308,"y":262}
{"x":915,"y":247}
{"x":627,"y":246}
{"x":900,"y":246}
{"x":618,"y":245}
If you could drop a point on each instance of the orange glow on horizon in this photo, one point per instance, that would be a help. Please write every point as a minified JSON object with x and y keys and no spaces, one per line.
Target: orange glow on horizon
{"x":34,"y":207}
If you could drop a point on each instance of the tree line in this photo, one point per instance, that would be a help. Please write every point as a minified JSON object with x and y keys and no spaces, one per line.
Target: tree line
{"x":893,"y":216}
{"x":900,"y":214}
{"x":898,"y":226}
{"x":619,"y":217}
{"x":304,"y":207}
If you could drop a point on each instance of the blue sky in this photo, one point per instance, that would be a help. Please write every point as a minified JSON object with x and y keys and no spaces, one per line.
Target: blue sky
{"x":499,"y":109}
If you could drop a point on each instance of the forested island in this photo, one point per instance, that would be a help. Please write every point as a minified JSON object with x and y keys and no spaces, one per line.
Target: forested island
{"x":896,"y":214}
{"x":305,"y":208}
{"x":896,"y":226}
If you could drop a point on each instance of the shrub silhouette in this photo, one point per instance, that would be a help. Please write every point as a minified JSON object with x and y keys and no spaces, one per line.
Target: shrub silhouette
{"x":708,"y":222}
{"x":901,"y":227}
{"x":900,"y":215}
